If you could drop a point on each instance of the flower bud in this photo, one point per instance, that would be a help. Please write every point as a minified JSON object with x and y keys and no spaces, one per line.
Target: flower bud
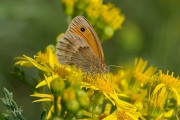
{"x":108,"y":31}
{"x":57,"y":86}
{"x":56,"y":118}
{"x":83,"y":98}
{"x":68,"y":94}
{"x":72,"y":106}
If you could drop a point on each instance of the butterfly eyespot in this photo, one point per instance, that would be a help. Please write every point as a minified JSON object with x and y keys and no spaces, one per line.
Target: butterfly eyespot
{"x":82,"y":29}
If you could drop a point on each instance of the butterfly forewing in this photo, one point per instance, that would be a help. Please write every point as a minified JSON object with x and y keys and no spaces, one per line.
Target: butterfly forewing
{"x":81,"y":27}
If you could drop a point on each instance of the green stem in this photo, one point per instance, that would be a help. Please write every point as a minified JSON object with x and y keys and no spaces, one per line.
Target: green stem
{"x":55,"y":106}
{"x":96,"y":99}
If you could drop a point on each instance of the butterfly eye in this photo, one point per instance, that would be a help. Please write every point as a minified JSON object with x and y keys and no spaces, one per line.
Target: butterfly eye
{"x":82,"y":29}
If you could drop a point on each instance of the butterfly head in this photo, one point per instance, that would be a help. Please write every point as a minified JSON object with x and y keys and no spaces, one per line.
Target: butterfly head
{"x":105,"y":68}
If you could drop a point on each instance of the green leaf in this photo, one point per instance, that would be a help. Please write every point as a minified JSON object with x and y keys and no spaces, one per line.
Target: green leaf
{"x":14,"y":113}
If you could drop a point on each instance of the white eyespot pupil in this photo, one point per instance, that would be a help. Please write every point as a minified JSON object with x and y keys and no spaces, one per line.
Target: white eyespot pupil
{"x":82,"y":29}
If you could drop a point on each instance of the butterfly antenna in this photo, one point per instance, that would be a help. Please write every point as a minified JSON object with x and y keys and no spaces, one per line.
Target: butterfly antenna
{"x":117,"y":66}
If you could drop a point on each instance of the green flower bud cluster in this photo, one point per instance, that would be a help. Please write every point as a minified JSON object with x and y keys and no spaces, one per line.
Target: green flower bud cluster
{"x":72,"y":99}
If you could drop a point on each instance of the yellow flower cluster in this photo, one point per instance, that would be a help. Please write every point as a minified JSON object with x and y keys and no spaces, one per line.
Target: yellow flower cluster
{"x":137,"y":92}
{"x":105,"y":18}
{"x":58,"y":77}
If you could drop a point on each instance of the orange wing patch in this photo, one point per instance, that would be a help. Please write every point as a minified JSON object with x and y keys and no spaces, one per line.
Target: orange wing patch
{"x":81,"y":27}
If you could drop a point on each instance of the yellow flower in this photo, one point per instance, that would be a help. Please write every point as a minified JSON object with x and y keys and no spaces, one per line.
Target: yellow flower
{"x":165,"y":88}
{"x":132,"y":80}
{"x":111,"y":19}
{"x":111,"y":15}
{"x":46,"y":62}
{"x":101,"y":83}
{"x":93,"y":10}
{"x":156,"y":102}
{"x":118,"y":21}
{"x":133,"y":83}
{"x":171,"y":85}
{"x":106,"y":86}
{"x":122,"y":115}
{"x":141,"y":74}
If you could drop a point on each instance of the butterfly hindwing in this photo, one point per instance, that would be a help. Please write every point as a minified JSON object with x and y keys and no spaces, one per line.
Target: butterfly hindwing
{"x":73,"y":50}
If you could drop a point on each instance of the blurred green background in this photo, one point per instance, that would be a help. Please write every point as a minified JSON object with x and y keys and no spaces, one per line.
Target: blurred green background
{"x":151,"y":31}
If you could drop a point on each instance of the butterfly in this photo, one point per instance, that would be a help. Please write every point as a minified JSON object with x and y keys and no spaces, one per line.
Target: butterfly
{"x":80,"y":46}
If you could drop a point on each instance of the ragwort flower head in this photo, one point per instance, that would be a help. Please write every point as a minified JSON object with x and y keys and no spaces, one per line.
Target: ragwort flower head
{"x":141,"y":74}
{"x":170,"y":84}
{"x":163,"y":92}
{"x":134,"y":81}
{"x":45,"y":62}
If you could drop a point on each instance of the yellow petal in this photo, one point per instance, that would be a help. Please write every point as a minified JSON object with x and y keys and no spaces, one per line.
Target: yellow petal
{"x":108,"y":96}
{"x":50,"y":112}
{"x":51,"y":58}
{"x":158,"y":87}
{"x":47,"y":80}
{"x":107,"y":108}
{"x":42,"y":95}
{"x":176,"y":95}
{"x":36,"y":64}
{"x":23,"y":63}
{"x":42,"y":100}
